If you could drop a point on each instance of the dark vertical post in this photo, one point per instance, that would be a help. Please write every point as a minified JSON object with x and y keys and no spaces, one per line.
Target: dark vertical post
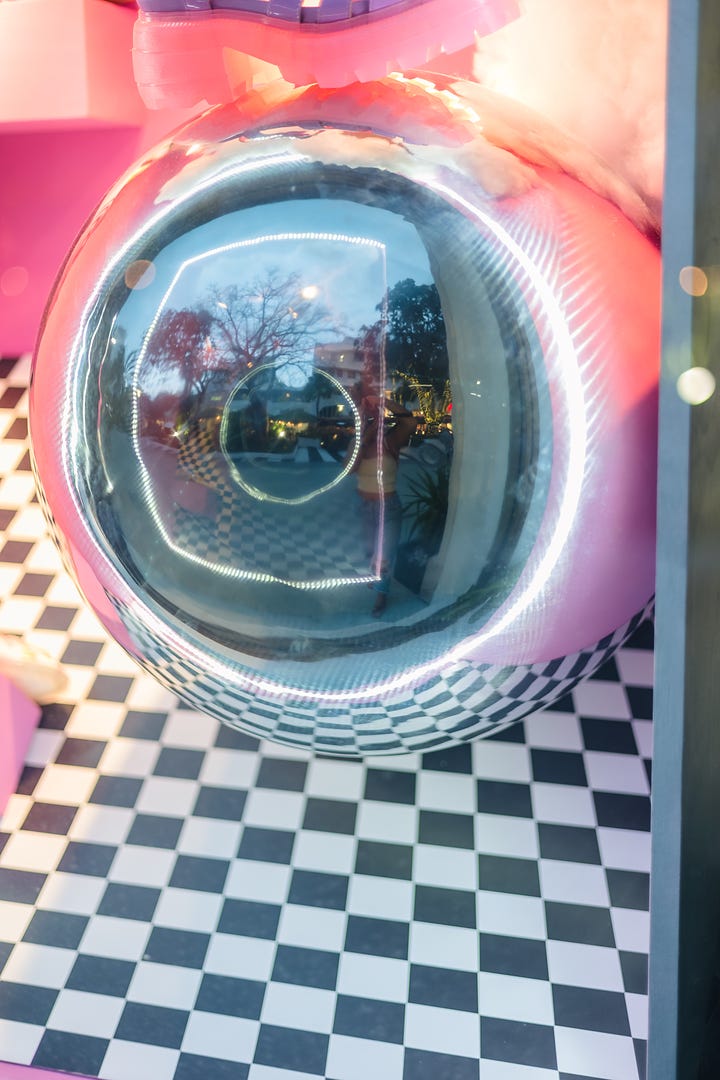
{"x":685,"y":880}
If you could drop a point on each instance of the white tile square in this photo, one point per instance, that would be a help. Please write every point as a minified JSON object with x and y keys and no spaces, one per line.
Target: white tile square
{"x":279,"y":750}
{"x":616,"y":772}
{"x":17,"y":489}
{"x":445,"y":868}
{"x":186,"y":909}
{"x":454,"y":947}
{"x":113,"y":660}
{"x":120,"y":939}
{"x":9,"y":579}
{"x":137,"y":865}
{"x":44,"y":747}
{"x":496,"y":834}
{"x":65,"y":784}
{"x":269,"y":1072}
{"x":361,"y":1059}
{"x":249,"y":880}
{"x":397,"y":762}
{"x":27,"y":524}
{"x":127,"y":1060}
{"x":632,"y":929}
{"x":449,"y":792}
{"x":624,"y":849}
{"x":636,"y":666}
{"x":167,"y":795}
{"x":229,"y":768}
{"x":514,"y":916}
{"x":14,"y":920}
{"x":88,"y":626}
{"x":39,"y":965}
{"x":507,"y":997}
{"x":561,"y":804}
{"x":391,"y":823}
{"x":163,"y":984}
{"x":129,"y":757}
{"x":501,"y":761}
{"x":44,"y":558}
{"x":573,"y":883}
{"x":554,"y":731}
{"x":271,"y":809}
{"x":596,"y":697}
{"x":643,"y":730}
{"x":101,"y":824}
{"x":229,"y":1037}
{"x":304,"y":1008}
{"x":190,"y":729}
{"x":335,"y":779}
{"x":379,"y":977}
{"x":324,"y":852}
{"x":209,"y":838}
{"x":506,"y":1070}
{"x":442,"y":1031}
{"x":79,"y":680}
{"x":637,"y":1008}
{"x":146,"y":693}
{"x":33,"y":851}
{"x":64,"y":593}
{"x":16,"y":810}
{"x":380,"y":898}
{"x":229,"y":954}
{"x":590,"y":966}
{"x":595,"y":1054}
{"x":312,"y":928}
{"x":18,"y":1042}
{"x":76,"y":894}
{"x":96,"y":720}
{"x":86,"y":1014}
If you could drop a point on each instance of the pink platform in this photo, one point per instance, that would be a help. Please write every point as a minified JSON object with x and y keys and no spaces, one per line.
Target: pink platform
{"x":18,"y":719}
{"x":26,"y":1072}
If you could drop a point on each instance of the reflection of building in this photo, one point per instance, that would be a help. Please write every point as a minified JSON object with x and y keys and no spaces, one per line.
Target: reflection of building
{"x":342,"y":360}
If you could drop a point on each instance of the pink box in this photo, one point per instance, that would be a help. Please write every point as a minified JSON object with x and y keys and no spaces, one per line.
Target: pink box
{"x":18,"y":719}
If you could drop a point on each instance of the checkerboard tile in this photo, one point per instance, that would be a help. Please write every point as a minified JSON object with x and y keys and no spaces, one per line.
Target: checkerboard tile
{"x":183,"y":901}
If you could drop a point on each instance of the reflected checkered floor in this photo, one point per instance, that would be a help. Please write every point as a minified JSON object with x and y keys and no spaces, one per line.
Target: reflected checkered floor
{"x":179,"y":901}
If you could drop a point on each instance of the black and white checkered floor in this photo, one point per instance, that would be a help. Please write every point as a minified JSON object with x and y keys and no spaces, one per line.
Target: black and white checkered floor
{"x":182,"y":902}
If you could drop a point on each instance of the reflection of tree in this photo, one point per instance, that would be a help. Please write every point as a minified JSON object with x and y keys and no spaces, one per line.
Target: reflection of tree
{"x":178,"y":347}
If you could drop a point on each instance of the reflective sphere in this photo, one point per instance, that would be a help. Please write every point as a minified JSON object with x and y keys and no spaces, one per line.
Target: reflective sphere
{"x":346,"y":424}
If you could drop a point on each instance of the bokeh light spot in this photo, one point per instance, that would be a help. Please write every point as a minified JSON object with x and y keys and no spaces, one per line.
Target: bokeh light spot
{"x":139,"y":274}
{"x":14,"y":281}
{"x":693,"y":280}
{"x":696,"y":385}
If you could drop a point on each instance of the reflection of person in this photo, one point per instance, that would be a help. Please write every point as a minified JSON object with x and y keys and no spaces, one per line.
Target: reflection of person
{"x":376,"y":470}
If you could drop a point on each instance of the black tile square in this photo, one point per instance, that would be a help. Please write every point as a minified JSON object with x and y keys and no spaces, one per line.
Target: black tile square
{"x":641,"y":701}
{"x":443,"y":988}
{"x":314,"y":889}
{"x":384,"y":860}
{"x":514,"y":733}
{"x":590,"y":1010}
{"x":579,"y":923}
{"x":152,"y":1024}
{"x":229,"y":738}
{"x":446,"y":830}
{"x":629,"y":889}
{"x":330,"y":815}
{"x":16,"y":551}
{"x":178,"y":762}
{"x":249,"y":918}
{"x":25,"y":463}
{"x":377,"y":937}
{"x":28,"y":780}
{"x":84,"y":653}
{"x":20,"y":886}
{"x":155,"y":830}
{"x":55,"y":617}
{"x":640,"y":1047}
{"x":129,"y":901}
{"x":522,"y":1044}
{"x":33,"y":584}
{"x":86,"y":752}
{"x":287,"y":1048}
{"x":18,"y":430}
{"x":197,"y":1067}
{"x":504,"y":797}
{"x":607,"y":672}
{"x":84,"y":858}
{"x":569,"y":843}
{"x":523,"y":957}
{"x":365,"y":1018}
{"x":283,"y":774}
{"x":55,"y":716}
{"x":446,"y":907}
{"x":116,"y":791}
{"x":227,"y":804}
{"x":454,"y":759}
{"x":11,"y":396}
{"x":6,"y":947}
{"x":49,"y":818}
{"x":266,"y":845}
{"x":643,"y":637}
{"x":91,"y":972}
{"x":305,"y":967}
{"x":230,"y":996}
{"x":500,"y":874}
{"x":110,"y":688}
{"x":634,"y":968}
{"x":608,"y":736}
{"x":7,"y":363}
{"x":425,"y":1065}
{"x":143,"y":725}
{"x":390,"y":785}
{"x":80,"y":1053}
{"x":56,"y":928}
{"x":558,"y":767}
{"x":6,"y":516}
{"x":186,"y":948}
{"x":195,"y":872}
{"x":27,"y":1004}
{"x":622,"y":811}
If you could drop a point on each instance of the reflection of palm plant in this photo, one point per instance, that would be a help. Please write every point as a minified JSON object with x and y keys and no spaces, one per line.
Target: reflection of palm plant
{"x":426,"y":509}
{"x":434,"y":404}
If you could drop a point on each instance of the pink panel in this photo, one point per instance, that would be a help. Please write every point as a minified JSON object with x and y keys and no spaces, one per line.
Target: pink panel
{"x":26,"y":1072}
{"x":18,"y":719}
